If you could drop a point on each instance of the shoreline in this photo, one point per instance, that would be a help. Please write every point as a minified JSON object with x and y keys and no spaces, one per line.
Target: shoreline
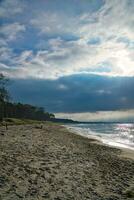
{"x":125,"y":152}
{"x":100,"y":141}
{"x":49,"y":162}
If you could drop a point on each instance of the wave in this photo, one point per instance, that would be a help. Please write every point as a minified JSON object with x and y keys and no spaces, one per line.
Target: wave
{"x":119,"y":135}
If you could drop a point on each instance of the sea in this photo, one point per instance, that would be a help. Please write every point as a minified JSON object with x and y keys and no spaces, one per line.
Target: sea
{"x":114,"y":134}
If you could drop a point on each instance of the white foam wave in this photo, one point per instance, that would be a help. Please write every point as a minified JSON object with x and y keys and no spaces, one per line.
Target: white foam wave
{"x":117,"y":136}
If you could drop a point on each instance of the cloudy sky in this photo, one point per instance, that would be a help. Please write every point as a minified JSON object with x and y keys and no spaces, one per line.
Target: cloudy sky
{"x":74,"y":57}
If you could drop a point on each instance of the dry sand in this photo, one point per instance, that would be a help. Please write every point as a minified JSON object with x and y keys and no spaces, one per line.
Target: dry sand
{"x":51,"y":163}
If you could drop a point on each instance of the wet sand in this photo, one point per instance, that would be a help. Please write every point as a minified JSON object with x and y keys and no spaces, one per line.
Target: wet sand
{"x":53,"y":164}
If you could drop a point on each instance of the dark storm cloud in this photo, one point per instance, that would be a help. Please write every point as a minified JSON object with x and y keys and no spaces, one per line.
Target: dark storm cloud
{"x":77,"y":93}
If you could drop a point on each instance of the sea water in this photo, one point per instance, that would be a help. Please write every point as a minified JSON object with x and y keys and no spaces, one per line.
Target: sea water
{"x":114,"y":134}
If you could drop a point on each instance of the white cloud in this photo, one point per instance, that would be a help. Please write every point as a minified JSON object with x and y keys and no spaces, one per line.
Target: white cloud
{"x":11,"y":31}
{"x":65,"y":58}
{"x":98,"y":116}
{"x":2,"y":42}
{"x":55,"y":23}
{"x":8,"y":8}
{"x":114,"y":20}
{"x":5,"y":54}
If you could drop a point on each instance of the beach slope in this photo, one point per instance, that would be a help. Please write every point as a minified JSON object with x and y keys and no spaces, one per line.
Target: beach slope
{"x":49,"y":162}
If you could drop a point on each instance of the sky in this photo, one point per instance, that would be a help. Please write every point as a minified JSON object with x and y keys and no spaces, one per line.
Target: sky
{"x":74,"y":57}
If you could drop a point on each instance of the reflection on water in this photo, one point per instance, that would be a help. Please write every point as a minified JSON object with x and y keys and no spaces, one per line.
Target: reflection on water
{"x":114,"y":134}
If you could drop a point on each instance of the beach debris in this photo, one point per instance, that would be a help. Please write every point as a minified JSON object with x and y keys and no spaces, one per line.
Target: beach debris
{"x":39,"y":127}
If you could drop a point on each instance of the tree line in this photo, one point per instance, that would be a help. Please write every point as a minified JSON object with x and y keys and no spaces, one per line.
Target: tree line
{"x":19,"y":110}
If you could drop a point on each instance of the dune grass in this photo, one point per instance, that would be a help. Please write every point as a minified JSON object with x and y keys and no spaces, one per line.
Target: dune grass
{"x":15,"y":121}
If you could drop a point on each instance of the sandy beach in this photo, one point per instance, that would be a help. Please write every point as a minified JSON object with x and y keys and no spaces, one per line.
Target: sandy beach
{"x":53,"y":164}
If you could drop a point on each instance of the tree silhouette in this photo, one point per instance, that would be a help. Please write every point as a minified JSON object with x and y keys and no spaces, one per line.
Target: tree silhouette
{"x":4,"y":96}
{"x":19,"y":110}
